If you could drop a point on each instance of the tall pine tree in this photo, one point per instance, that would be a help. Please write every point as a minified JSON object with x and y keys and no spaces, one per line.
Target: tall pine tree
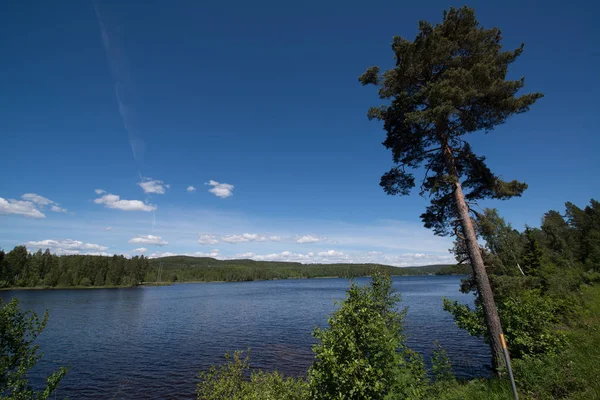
{"x":448,"y":82}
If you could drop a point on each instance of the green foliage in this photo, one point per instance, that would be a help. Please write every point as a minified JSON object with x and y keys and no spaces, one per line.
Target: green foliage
{"x":461,"y":269}
{"x":529,"y":320}
{"x":228,"y":382}
{"x":532,"y":254}
{"x":19,"y":354}
{"x":503,"y":244}
{"x":441,"y":366}
{"x":225,"y":381}
{"x":556,"y":263}
{"x":85,"y":281}
{"x":572,"y":373}
{"x":466,"y":318}
{"x":448,"y":82}
{"x":21,"y":269}
{"x":362,"y":355}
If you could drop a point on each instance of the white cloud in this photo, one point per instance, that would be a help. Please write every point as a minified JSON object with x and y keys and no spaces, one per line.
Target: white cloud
{"x":222,"y":190}
{"x":101,"y":253}
{"x":19,"y":207}
{"x":158,"y":254}
{"x":330,"y":253}
{"x":32,"y":205}
{"x":208,"y":239}
{"x":213,"y":253}
{"x":67,"y":244}
{"x":114,"y":201}
{"x":65,"y":252}
{"x":99,"y":191}
{"x":149,"y":239}
{"x":191,"y":189}
{"x":244,"y":238}
{"x":140,"y":250}
{"x":308,"y":239}
{"x":58,"y":209}
{"x":107,"y":228}
{"x":284,"y":256}
{"x":335,"y":256}
{"x":37,"y":199}
{"x":153,"y":186}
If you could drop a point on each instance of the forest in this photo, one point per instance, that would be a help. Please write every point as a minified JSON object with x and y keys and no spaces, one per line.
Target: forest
{"x":186,"y":269}
{"x":19,"y":268}
{"x":42,"y":269}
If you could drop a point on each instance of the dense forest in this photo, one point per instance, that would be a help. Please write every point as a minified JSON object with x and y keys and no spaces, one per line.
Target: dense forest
{"x":19,"y":268}
{"x":184,"y":268}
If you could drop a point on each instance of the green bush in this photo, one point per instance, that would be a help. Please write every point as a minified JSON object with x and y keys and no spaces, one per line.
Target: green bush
{"x":85,"y":282}
{"x":228,"y":382}
{"x":528,"y":319}
{"x":441,"y":366}
{"x":18,"y":354}
{"x":362,"y":355}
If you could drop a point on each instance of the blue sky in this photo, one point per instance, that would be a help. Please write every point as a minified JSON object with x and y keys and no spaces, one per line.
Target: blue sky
{"x":109,"y":111}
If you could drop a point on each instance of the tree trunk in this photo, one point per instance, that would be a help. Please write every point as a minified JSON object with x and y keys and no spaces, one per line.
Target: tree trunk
{"x":484,"y":289}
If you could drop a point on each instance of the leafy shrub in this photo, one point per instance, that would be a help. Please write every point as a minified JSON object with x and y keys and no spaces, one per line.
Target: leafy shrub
{"x":85,"y":282}
{"x":18,"y":354}
{"x":528,"y":320}
{"x":228,"y":382}
{"x":441,"y":366}
{"x":362,"y":355}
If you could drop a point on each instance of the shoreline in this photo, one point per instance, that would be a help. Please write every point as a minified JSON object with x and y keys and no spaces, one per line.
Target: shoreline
{"x":151,"y":284}
{"x":6,"y":289}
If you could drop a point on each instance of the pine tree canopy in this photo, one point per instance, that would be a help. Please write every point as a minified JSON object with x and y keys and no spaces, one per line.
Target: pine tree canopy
{"x":448,"y":82}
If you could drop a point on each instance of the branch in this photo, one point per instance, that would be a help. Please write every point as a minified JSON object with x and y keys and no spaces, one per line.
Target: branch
{"x":422,"y":190}
{"x":458,"y":235}
{"x":432,"y":150}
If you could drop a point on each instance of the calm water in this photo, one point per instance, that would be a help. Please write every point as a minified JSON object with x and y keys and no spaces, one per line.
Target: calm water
{"x":151,"y":342}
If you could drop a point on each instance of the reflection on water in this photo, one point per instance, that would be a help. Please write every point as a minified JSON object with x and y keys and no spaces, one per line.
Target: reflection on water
{"x":151,"y":342}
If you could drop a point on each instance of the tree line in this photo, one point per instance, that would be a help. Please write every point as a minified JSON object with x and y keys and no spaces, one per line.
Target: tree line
{"x":19,"y":268}
{"x":187,"y":269}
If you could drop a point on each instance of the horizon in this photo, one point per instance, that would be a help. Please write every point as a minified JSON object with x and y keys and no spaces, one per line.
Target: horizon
{"x":306,"y":262}
{"x":242,"y":132}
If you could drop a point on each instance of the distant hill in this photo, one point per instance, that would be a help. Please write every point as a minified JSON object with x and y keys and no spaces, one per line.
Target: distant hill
{"x":186,"y":268}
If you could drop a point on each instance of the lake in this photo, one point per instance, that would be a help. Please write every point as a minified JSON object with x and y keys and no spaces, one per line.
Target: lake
{"x":151,"y":342}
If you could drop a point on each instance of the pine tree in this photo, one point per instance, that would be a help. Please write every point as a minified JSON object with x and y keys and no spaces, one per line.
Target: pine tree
{"x":532,"y":255}
{"x":448,"y":82}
